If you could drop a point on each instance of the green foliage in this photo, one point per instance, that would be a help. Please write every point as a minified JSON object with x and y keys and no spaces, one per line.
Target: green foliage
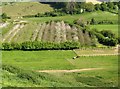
{"x":6,"y":46}
{"x":97,"y":7}
{"x":89,"y":7}
{"x":108,"y":33}
{"x":36,"y":45}
{"x":22,"y":62}
{"x":106,"y":38}
{"x":26,"y":75}
{"x":119,"y":40}
{"x":93,"y":22}
{"x":81,"y":22}
{"x":4,"y":17}
{"x":103,"y":7}
{"x":100,"y":27}
{"x":110,"y":5}
{"x":110,"y":41}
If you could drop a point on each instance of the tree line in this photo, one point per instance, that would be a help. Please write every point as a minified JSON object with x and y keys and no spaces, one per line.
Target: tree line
{"x":63,"y":8}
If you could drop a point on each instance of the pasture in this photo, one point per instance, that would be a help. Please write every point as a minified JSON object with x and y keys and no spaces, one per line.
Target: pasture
{"x":56,"y":68}
{"x":98,"y":15}
{"x":59,"y":60}
{"x":113,"y":28}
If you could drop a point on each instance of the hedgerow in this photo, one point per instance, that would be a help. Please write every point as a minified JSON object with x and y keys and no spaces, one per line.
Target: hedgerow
{"x":36,"y":45}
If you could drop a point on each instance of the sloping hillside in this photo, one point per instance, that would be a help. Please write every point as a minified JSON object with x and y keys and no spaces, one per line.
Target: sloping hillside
{"x":47,"y":32}
{"x":25,"y":8}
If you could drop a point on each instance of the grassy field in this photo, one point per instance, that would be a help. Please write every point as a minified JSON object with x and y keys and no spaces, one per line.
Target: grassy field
{"x":37,"y":60}
{"x":41,"y":60}
{"x":25,"y":8}
{"x":98,"y":15}
{"x":19,"y":65}
{"x":113,"y":28}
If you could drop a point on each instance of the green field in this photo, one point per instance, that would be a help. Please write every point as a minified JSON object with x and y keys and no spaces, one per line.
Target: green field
{"x":58,"y":60}
{"x":98,"y":15}
{"x":113,"y":28}
{"x":56,"y":68}
{"x":37,"y":60}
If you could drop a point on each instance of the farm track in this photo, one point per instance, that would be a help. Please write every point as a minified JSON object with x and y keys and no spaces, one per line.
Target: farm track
{"x":69,"y":71}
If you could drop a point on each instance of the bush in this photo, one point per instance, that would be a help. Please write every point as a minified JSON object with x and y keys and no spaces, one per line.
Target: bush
{"x":108,"y":33}
{"x":106,"y":40}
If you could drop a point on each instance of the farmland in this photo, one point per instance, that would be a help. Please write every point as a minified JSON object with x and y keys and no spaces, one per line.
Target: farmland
{"x":60,"y":60}
{"x":46,"y":45}
{"x":113,"y":28}
{"x":98,"y":15}
{"x":51,"y":32}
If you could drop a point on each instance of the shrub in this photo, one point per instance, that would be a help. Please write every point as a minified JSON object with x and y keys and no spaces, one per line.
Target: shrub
{"x":108,"y":33}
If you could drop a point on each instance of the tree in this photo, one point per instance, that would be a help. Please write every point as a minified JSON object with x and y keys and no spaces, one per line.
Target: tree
{"x":103,"y":7}
{"x":70,"y":7}
{"x":110,"y":5}
{"x":97,"y":7}
{"x":89,"y":7}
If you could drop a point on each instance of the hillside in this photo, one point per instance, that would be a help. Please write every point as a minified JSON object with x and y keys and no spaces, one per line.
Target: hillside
{"x":46,"y":32}
{"x":59,"y":44}
{"x":25,"y":8}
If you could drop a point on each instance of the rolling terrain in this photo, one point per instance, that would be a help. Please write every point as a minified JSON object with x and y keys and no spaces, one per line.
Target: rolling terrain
{"x":85,"y":67}
{"x":58,"y":68}
{"x":46,"y":32}
{"x":24,"y":8}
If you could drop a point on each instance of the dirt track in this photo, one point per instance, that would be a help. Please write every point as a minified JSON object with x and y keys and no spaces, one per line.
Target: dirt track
{"x":69,"y":71}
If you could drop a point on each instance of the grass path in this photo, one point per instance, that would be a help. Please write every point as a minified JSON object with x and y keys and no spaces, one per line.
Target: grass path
{"x":70,"y":71}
